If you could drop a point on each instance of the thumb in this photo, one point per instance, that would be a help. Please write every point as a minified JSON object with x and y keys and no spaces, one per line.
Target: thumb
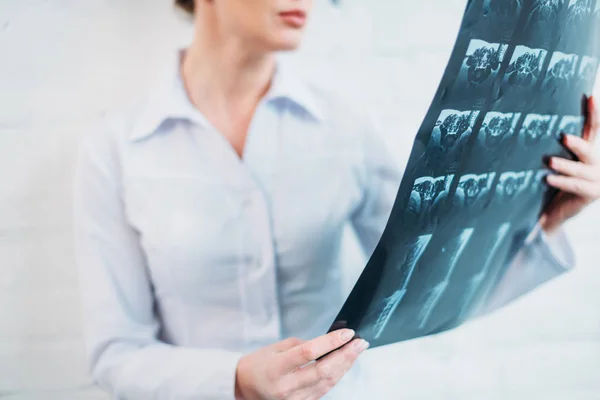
{"x":543,"y":219}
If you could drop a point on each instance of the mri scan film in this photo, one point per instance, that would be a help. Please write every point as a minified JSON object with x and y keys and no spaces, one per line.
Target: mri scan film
{"x":475,"y":182}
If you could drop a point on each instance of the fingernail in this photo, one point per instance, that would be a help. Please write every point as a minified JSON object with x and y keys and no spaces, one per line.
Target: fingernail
{"x":546,"y":160}
{"x":346,"y":335}
{"x":360,"y":345}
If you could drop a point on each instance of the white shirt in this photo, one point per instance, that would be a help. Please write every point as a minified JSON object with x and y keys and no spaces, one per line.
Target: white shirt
{"x":191,"y":257}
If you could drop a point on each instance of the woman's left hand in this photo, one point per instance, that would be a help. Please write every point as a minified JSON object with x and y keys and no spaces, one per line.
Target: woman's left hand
{"x":579,"y":181}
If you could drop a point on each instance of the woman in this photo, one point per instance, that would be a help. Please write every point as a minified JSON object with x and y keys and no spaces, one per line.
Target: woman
{"x":209,"y":220}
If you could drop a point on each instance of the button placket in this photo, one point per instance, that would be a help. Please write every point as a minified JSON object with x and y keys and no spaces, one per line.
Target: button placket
{"x":262,"y":282}
{"x":261,"y":285}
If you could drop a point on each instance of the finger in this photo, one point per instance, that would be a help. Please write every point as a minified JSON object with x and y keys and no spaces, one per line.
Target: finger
{"x":287,"y":344}
{"x":330,"y":369}
{"x":558,"y":198}
{"x":592,"y":121}
{"x":576,"y":186}
{"x":575,"y":169}
{"x":306,"y":394}
{"x":313,"y":349}
{"x":583,"y":149}
{"x":543,"y":219}
{"x":309,"y":393}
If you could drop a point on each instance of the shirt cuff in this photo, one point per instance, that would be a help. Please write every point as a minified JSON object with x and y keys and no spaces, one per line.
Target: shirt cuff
{"x":225,"y":381}
{"x":542,"y":258}
{"x":163,"y":371}
{"x":555,"y":248}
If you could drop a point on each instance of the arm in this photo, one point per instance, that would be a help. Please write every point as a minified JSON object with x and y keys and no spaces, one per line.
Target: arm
{"x":542,"y":258}
{"x":121,"y":327}
{"x":548,"y":253}
{"x":381,"y":177}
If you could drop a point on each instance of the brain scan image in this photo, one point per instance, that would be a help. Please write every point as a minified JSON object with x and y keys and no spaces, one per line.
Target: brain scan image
{"x":498,"y":20}
{"x":511,"y":184}
{"x":578,"y":12}
{"x":452,"y":128}
{"x":571,"y":125}
{"x":478,"y":71}
{"x":497,"y":128}
{"x":525,"y":67}
{"x":427,"y":192}
{"x":537,"y":128}
{"x":561,"y":71}
{"x":482,"y":62}
{"x":473,"y":189}
{"x":544,"y":12}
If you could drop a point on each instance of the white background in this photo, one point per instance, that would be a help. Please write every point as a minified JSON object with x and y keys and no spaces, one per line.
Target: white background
{"x":64,"y":64}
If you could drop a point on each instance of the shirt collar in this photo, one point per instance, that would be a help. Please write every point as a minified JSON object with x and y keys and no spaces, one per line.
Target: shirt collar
{"x":169,"y":100}
{"x":288,"y":85}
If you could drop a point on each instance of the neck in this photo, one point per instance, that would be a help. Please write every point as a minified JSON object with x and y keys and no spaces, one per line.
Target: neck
{"x":223,"y":74}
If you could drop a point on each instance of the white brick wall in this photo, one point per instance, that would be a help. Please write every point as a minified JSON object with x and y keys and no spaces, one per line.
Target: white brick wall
{"x":66,"y":63}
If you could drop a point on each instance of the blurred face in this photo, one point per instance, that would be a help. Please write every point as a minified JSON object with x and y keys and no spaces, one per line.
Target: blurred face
{"x":267,"y":25}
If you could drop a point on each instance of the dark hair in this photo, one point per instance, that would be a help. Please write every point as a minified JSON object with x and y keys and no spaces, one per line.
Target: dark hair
{"x":186,"y":5}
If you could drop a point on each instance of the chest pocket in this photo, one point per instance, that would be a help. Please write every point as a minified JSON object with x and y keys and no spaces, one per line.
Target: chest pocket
{"x":187,"y":232}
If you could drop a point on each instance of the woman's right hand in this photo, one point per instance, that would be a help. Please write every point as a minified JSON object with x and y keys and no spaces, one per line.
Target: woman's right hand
{"x":286,"y":371}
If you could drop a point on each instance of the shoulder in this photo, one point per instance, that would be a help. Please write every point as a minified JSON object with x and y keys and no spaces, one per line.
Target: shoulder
{"x":351,"y":121}
{"x":340,"y":110}
{"x":357,"y":129}
{"x":327,"y":105}
{"x":346,"y":125}
{"x":108,"y":137}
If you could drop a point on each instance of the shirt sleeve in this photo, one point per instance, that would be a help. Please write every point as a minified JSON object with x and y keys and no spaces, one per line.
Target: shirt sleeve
{"x":543,"y":257}
{"x":381,"y":177}
{"x":120,"y":325}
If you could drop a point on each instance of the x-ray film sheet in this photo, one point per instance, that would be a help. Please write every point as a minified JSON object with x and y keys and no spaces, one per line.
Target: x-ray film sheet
{"x":474,"y":185}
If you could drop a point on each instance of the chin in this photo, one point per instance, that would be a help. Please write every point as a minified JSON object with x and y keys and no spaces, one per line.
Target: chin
{"x":288,"y":41}
{"x":287,"y":47}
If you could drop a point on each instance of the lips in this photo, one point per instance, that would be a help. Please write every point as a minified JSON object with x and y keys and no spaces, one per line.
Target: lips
{"x":294,"y":18}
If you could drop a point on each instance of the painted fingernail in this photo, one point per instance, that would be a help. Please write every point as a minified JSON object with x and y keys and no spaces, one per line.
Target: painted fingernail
{"x":546,"y":160}
{"x":346,"y":334}
{"x":561,"y":136}
{"x":360,"y":345}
